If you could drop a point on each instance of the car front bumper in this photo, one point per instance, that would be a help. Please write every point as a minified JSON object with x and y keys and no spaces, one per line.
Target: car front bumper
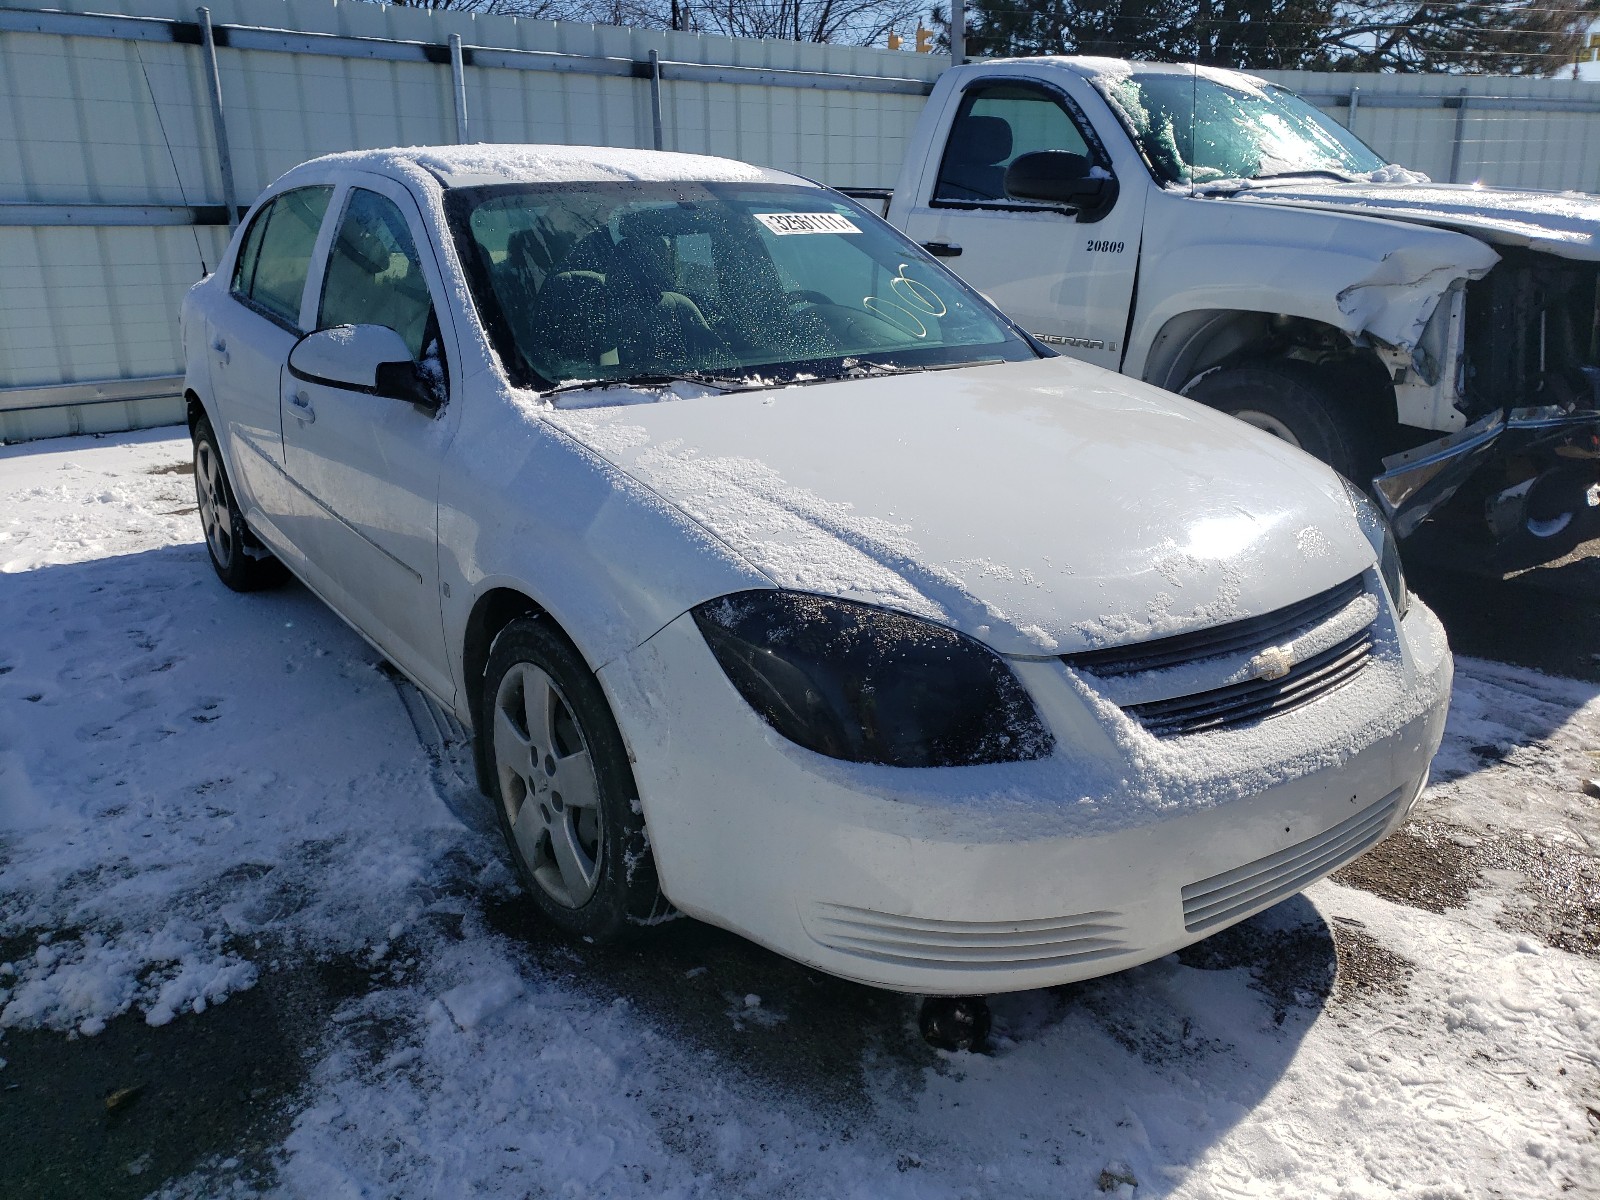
{"x":979,"y":880}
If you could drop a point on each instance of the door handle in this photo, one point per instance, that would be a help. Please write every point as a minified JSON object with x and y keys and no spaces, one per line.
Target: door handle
{"x":221,"y":347}
{"x":942,"y":249}
{"x":302,"y":408}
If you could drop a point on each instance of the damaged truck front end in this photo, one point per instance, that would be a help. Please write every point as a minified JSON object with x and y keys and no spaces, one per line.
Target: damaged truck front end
{"x":1516,"y":353}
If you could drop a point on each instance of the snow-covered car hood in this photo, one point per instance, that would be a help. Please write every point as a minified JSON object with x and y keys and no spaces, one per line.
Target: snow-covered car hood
{"x":1043,"y":507}
{"x":1562,"y":223}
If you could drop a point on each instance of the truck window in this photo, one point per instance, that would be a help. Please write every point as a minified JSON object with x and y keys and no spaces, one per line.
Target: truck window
{"x":994,"y":126}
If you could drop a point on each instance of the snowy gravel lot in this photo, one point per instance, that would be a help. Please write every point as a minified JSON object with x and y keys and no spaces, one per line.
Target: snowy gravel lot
{"x":256,"y":936}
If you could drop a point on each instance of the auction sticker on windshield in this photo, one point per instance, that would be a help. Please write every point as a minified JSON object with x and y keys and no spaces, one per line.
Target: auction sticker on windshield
{"x":784,"y":224}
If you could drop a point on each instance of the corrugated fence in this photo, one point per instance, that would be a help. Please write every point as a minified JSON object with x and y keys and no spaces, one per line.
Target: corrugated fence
{"x":117,"y":166}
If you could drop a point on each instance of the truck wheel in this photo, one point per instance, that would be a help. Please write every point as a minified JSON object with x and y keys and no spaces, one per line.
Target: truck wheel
{"x":1300,"y":404}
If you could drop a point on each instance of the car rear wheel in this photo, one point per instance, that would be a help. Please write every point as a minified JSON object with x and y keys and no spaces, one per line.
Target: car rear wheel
{"x":566,"y":797}
{"x":1298,"y":404}
{"x":238,"y":558}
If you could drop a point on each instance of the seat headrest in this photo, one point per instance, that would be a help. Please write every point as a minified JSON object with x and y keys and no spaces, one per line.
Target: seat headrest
{"x":981,"y":140}
{"x":526,"y":249}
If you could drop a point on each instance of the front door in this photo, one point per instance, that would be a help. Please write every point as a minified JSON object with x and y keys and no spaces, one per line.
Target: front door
{"x":1065,"y":281}
{"x":368,"y":467}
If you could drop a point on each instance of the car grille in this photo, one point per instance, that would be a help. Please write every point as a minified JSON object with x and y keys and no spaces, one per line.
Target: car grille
{"x":1244,"y":702}
{"x":1256,"y":699}
{"x":973,"y":945}
{"x":1251,"y":634}
{"x":1228,"y":897}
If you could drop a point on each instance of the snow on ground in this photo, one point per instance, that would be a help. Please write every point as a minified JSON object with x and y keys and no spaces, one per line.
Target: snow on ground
{"x":199,"y":791}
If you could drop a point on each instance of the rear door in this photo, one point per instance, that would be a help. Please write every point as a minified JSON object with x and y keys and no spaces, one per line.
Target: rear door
{"x":1067,"y":282}
{"x":368,"y":467}
{"x":248,"y":342}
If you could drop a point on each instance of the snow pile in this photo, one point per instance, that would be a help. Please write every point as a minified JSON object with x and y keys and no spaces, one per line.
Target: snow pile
{"x":1395,"y":173}
{"x":83,"y":984}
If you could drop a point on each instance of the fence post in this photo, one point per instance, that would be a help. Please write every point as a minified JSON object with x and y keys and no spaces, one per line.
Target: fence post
{"x":1455,"y":148}
{"x":958,"y":32}
{"x":218,"y":123}
{"x":655,"y":101}
{"x":458,"y":76}
{"x":1355,"y":103}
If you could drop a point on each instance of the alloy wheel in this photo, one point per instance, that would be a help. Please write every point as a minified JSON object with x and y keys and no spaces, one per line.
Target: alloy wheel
{"x":215,"y":515}
{"x":548,"y":785}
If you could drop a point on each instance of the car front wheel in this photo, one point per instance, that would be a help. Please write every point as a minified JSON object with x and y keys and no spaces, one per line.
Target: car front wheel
{"x":567,"y":801}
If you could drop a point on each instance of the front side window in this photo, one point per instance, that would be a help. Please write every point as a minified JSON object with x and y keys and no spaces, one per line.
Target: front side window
{"x":273,"y":264}
{"x":994,"y":126}
{"x":611,"y":282}
{"x":1200,"y":128}
{"x":374,"y":275}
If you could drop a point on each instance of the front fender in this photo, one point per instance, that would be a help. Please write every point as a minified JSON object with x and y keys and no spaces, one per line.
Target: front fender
{"x":1364,"y":276}
{"x":529,"y":509}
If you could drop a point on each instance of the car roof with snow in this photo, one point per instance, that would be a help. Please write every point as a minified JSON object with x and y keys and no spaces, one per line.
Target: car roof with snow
{"x":490,"y":163}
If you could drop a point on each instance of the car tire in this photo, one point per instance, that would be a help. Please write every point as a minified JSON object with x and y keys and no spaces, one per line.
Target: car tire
{"x":239,"y":559}
{"x":563,"y":788}
{"x":1301,"y":404}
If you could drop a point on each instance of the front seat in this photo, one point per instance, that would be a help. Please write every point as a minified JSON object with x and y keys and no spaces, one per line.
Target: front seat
{"x":972,"y":167}
{"x":659,"y":325}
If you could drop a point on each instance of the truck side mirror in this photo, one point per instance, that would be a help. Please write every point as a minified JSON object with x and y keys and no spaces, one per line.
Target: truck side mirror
{"x":1062,"y":177}
{"x":362,"y":358}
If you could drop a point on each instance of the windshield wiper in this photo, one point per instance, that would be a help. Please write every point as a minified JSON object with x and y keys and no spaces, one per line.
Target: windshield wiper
{"x":1320,"y":172}
{"x":855,"y":369}
{"x":662,"y":379}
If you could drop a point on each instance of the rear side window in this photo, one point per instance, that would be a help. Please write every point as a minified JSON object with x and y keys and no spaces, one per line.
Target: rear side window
{"x":244,"y":271}
{"x":374,"y":275}
{"x":995,"y":126}
{"x":276,"y":256}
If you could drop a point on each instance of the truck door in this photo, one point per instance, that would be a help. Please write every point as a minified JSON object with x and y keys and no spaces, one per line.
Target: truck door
{"x":1066,"y":281}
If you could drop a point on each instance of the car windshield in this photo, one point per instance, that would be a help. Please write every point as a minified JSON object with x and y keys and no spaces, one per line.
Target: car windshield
{"x":1197,"y":128}
{"x":725,"y":284}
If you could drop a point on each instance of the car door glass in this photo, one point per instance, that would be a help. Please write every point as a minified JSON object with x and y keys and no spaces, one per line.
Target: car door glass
{"x":282,"y":260}
{"x":375,"y":276}
{"x":244,"y":271}
{"x":995,"y":126}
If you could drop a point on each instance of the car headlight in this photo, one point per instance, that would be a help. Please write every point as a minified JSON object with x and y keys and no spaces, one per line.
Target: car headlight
{"x":867,"y":685}
{"x":1376,"y":527}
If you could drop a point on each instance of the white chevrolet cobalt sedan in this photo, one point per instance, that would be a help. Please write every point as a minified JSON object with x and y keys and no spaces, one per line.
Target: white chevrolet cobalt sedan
{"x":786,"y":583}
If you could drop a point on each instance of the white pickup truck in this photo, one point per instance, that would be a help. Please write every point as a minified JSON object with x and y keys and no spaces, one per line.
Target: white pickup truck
{"x":1218,"y":236}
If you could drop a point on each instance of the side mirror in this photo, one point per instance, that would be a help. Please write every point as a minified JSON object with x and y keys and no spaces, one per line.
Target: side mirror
{"x":362,"y":358}
{"x":1062,"y":177}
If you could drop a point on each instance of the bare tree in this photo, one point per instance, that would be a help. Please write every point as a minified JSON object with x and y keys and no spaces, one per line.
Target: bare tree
{"x":850,"y":22}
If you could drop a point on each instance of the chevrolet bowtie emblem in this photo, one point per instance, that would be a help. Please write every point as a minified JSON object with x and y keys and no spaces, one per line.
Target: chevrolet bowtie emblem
{"x":1272,"y":663}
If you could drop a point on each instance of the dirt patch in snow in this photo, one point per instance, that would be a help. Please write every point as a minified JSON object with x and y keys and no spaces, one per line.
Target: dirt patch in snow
{"x":103,"y":1110}
{"x":1422,"y":865}
{"x":185,"y":467}
{"x":1558,"y":900}
{"x":1437,"y":867}
{"x":1366,"y":966}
